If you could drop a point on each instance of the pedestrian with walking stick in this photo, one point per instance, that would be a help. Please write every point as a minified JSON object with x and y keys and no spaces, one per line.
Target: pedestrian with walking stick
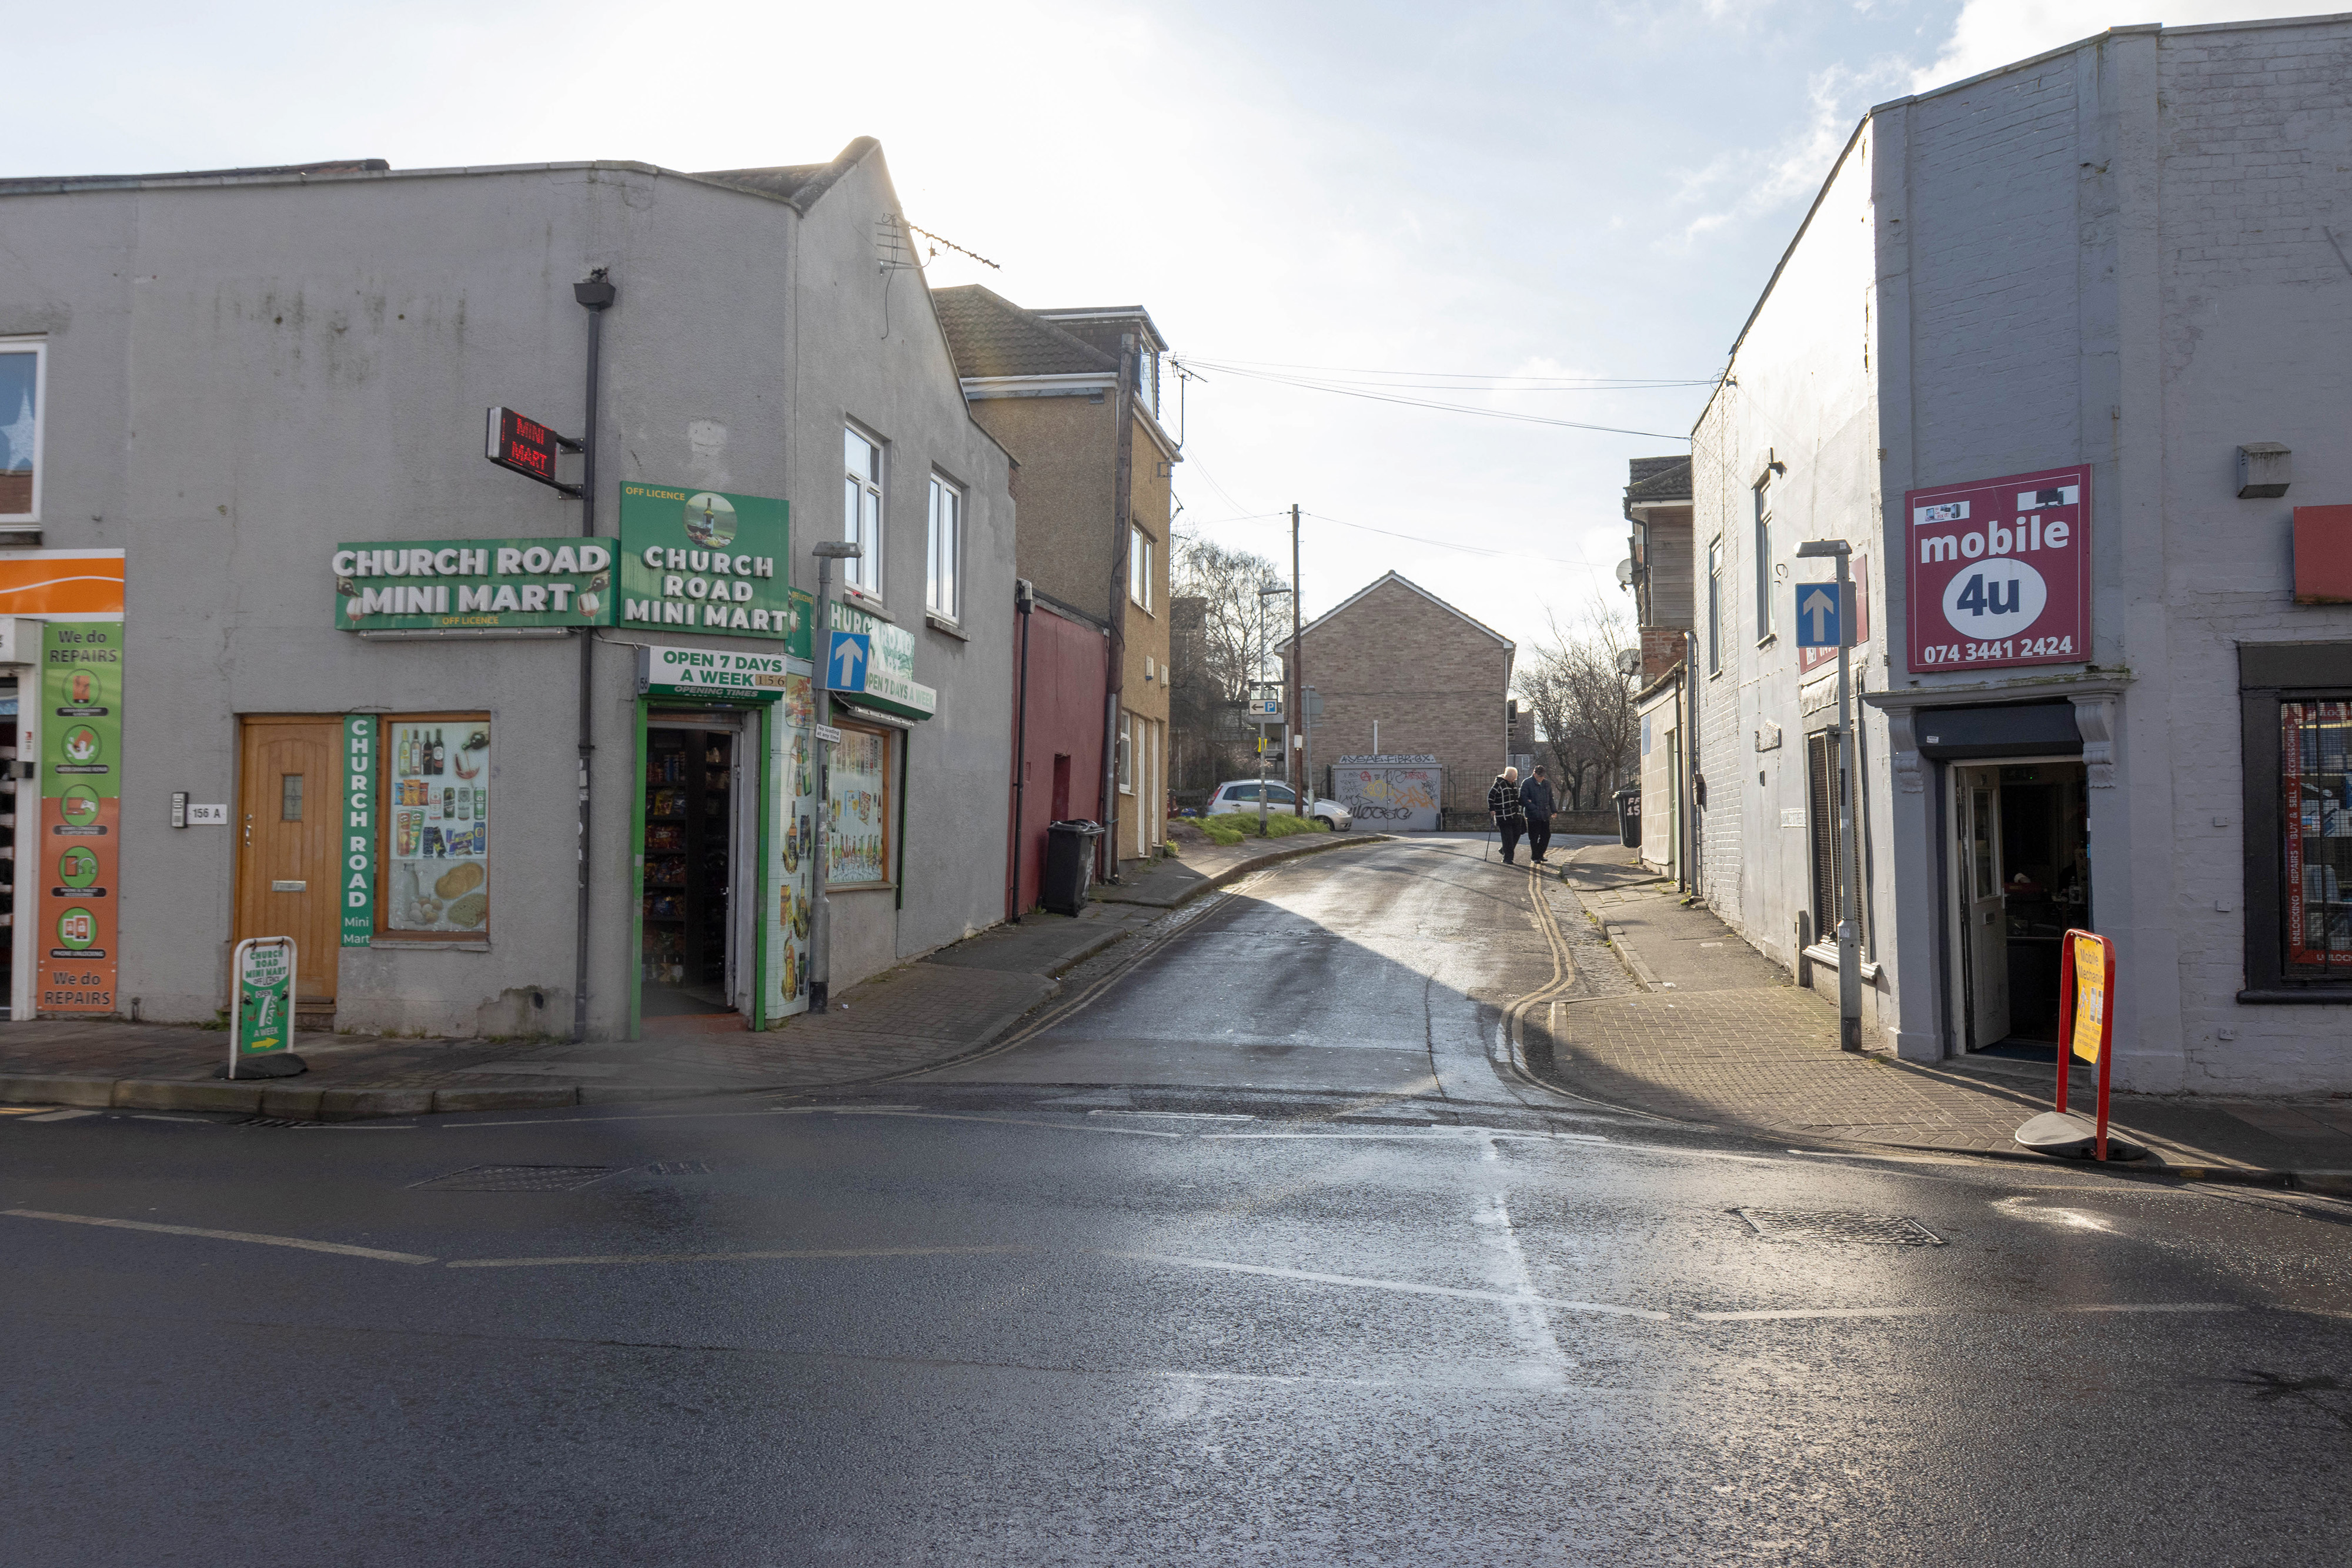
{"x":1510,"y":813}
{"x":1534,"y":796}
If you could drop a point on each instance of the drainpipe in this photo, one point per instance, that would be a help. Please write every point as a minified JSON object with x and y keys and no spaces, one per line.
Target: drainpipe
{"x":596,"y":296}
{"x":1690,"y":745}
{"x":1024,"y":603}
{"x":1122,"y":480}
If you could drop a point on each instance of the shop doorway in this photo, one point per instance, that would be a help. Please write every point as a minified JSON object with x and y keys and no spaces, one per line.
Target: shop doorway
{"x":289,"y":871}
{"x":2022,"y":878}
{"x":692,"y":953}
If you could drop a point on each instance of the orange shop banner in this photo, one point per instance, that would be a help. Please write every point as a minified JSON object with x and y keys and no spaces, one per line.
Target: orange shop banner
{"x":62,"y":584}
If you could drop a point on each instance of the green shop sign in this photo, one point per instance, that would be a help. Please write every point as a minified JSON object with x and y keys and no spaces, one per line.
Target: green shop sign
{"x":359,"y":829}
{"x":746,"y":673}
{"x":263,"y":1009}
{"x":479,"y":584}
{"x":704,"y":560}
{"x":887,"y":679}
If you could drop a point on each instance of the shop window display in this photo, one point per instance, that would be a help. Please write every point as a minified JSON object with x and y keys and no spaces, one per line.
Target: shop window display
{"x":436,"y":823}
{"x":858,"y":816}
{"x":2316,"y":775}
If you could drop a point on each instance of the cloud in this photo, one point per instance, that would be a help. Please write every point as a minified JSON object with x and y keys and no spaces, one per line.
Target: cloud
{"x":1743,"y":185}
{"x":1991,"y":33}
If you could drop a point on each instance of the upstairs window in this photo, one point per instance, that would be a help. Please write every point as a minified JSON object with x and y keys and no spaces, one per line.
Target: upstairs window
{"x":1763,"y":560}
{"x":861,"y":511}
{"x":1714,"y":608}
{"x":1139,"y":569}
{"x":21,"y":364}
{"x":943,"y":575}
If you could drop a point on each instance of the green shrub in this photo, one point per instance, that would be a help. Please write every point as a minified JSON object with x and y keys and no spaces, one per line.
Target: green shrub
{"x":1233,"y":829}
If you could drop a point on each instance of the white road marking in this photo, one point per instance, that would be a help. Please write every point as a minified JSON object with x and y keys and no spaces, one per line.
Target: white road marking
{"x":59,"y":1115}
{"x":1957,"y":1312}
{"x":1530,"y":1325}
{"x":1020,"y":1122}
{"x":200,"y":1120}
{"x":1405,"y":1287}
{"x":308,"y":1246}
{"x":741,"y":1257}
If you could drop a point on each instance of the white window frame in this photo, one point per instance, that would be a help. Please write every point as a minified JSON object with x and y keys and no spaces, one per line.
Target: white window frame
{"x":1139,"y":569}
{"x":1715,"y":606}
{"x":1126,"y":753}
{"x":1764,"y":562}
{"x":943,"y":551}
{"x":39,"y":348}
{"x":862,"y":513}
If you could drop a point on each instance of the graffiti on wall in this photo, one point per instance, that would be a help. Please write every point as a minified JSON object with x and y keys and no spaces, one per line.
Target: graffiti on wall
{"x":1388,"y":794}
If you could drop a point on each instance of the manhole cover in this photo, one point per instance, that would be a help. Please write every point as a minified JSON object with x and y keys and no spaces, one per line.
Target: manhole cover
{"x":516,"y":1178}
{"x":1810,"y":1225}
{"x":678,"y":1168}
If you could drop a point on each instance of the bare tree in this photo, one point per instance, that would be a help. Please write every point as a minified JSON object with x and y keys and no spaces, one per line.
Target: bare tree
{"x":1583,"y":706}
{"x":1213,"y":657}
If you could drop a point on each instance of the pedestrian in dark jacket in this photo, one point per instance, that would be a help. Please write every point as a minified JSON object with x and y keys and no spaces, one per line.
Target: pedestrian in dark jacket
{"x":1510,"y":816}
{"x":1535,"y":797}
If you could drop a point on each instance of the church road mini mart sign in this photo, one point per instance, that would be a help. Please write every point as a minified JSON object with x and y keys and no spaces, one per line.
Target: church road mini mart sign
{"x":456,"y":584}
{"x":1999,"y":571}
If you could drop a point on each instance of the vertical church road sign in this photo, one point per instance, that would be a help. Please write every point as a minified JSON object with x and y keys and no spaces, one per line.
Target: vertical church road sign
{"x":1998,"y":571}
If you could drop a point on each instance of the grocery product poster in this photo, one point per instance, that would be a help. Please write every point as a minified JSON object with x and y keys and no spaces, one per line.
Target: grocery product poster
{"x":78,"y":861}
{"x":858,"y":820}
{"x":437,"y":828}
{"x":791,"y":844}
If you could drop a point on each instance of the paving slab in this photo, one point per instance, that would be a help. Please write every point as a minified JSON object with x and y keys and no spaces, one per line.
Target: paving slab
{"x":1672,"y":1013}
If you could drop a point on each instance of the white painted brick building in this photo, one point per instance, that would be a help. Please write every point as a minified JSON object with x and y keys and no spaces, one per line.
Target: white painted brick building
{"x":2131,"y":255}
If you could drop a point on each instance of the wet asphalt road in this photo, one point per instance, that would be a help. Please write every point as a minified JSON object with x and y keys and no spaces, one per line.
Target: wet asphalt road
{"x":1259,"y":1251}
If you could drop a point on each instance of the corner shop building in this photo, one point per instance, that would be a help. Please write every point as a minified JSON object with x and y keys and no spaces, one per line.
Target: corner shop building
{"x":261,"y":396}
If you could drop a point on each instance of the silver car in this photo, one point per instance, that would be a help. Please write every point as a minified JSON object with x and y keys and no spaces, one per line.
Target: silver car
{"x":1241,"y":795}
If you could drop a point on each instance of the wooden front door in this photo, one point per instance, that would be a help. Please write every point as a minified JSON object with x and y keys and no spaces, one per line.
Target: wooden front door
{"x":287,"y":865}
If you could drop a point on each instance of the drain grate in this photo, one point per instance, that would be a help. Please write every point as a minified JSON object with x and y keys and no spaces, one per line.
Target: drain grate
{"x":1814,"y":1225}
{"x":678,"y":1167}
{"x":516,"y":1178}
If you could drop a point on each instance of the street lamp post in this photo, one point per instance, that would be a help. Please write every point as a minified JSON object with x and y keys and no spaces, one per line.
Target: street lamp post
{"x":821,"y":646}
{"x":1849,"y":894}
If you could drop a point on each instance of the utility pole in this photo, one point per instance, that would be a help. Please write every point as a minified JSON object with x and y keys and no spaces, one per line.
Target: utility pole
{"x":1271,"y":590}
{"x":1848,"y":892}
{"x":1297,"y":714}
{"x":596,"y":296}
{"x":821,"y":709}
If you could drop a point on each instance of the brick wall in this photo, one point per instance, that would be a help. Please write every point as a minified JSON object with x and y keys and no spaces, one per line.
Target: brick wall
{"x":1436,"y":684}
{"x":1662,"y":649}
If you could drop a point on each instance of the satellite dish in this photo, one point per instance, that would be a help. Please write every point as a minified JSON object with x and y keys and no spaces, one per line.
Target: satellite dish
{"x":1628,"y":662}
{"x":1625,"y":573}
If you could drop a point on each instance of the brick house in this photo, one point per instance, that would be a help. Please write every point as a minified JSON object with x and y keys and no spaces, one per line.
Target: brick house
{"x":1073,"y":394}
{"x":2059,"y":354}
{"x":1401,"y":671}
{"x":1658,"y":504}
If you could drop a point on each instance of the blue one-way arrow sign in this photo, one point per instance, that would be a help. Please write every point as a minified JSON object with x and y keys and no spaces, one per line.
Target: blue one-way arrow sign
{"x":1821,"y":619}
{"x":845,"y":659}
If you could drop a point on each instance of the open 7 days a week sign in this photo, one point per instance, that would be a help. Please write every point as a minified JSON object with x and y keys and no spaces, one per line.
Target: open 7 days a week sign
{"x":1999,"y":571}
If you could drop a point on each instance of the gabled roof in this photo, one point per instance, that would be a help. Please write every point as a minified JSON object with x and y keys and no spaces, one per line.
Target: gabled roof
{"x":991,"y":336}
{"x":1102,"y":325}
{"x":1402,"y":581}
{"x":798,"y":184}
{"x":1657,"y":482}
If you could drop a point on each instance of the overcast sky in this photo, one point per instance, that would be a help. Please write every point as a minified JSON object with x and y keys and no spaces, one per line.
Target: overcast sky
{"x":1443,"y":195}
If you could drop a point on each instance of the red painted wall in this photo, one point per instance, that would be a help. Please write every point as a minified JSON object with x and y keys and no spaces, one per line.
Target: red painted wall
{"x":1069,"y":662}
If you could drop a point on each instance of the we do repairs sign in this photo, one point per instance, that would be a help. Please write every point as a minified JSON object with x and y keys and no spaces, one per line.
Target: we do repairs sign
{"x":1999,"y":571}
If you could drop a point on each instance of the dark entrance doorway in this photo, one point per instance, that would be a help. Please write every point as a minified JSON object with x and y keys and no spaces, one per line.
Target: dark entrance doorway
{"x":689,"y":955}
{"x":2024,"y":865}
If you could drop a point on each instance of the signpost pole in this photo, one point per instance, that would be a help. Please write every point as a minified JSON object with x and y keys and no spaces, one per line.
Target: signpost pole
{"x":1849,"y":931}
{"x":1849,"y":925}
{"x":821,"y":646}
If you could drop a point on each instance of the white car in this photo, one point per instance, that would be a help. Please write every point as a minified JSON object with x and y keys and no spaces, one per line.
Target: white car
{"x":1241,"y":795}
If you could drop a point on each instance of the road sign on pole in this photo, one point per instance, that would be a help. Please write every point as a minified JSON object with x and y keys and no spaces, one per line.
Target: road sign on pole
{"x":1824,"y":614}
{"x":846,"y":656}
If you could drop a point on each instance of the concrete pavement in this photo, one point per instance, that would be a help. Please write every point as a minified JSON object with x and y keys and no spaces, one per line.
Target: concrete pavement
{"x":920,"y":1014}
{"x":1684,"y":1019}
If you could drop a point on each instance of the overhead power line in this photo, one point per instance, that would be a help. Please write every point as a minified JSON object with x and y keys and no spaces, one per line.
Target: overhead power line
{"x":1472,"y":379}
{"x":1308,"y":385}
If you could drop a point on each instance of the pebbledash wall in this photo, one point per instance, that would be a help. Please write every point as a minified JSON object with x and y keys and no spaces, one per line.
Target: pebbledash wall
{"x":2115,"y":255}
{"x":243,"y":369}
